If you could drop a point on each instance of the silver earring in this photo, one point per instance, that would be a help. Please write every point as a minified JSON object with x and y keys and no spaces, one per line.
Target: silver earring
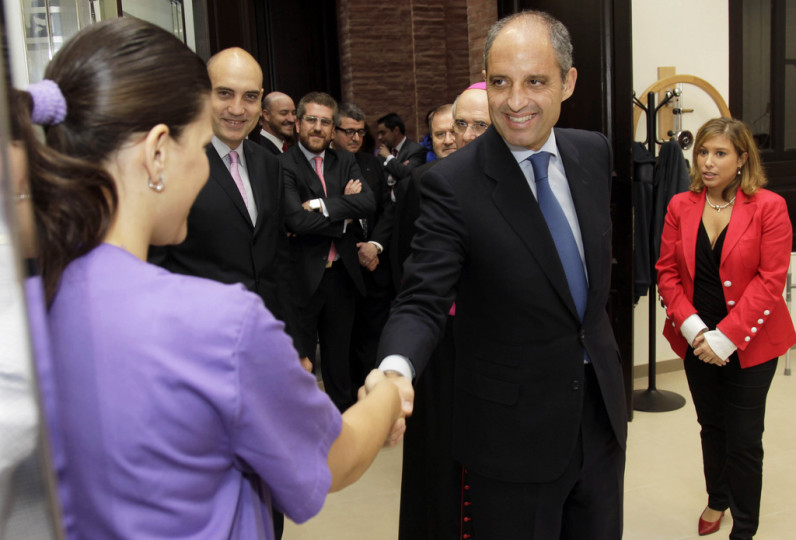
{"x":159,"y":186}
{"x":739,"y":171}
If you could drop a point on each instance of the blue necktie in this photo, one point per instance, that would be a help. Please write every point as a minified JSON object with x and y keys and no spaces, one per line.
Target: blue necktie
{"x":562,"y":234}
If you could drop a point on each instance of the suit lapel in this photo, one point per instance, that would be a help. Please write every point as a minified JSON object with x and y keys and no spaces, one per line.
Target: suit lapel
{"x":257,"y":179}
{"x":331,"y":174}
{"x":742,"y":212}
{"x":220,"y":174}
{"x":515,"y":201}
{"x":581,"y":187}
{"x":401,"y":157}
{"x":313,"y":182}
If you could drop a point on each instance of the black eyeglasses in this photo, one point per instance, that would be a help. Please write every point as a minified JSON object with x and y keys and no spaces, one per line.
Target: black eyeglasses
{"x":312,"y":120}
{"x":350,"y":132}
{"x":460,"y":126}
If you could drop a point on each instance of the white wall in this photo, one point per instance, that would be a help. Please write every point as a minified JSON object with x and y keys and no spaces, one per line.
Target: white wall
{"x":693,"y":37}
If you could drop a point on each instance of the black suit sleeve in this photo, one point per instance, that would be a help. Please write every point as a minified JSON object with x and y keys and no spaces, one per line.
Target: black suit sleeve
{"x":361,"y":205}
{"x":416,"y":157}
{"x":431,"y":275}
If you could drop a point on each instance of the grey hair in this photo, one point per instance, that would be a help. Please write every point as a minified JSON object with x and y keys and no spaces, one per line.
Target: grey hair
{"x":348,"y":110}
{"x":558,"y":33}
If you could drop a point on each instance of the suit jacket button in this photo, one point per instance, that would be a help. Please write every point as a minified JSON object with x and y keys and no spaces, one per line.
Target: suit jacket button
{"x":747,"y":339}
{"x":575,"y":385}
{"x":731,"y":303}
{"x":582,"y":335}
{"x":728,"y":283}
{"x":759,"y":321}
{"x":766,"y":313}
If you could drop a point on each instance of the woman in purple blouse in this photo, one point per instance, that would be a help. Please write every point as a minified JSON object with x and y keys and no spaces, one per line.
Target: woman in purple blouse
{"x":180,"y":409}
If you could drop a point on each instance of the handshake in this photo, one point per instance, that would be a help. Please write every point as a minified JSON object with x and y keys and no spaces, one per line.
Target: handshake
{"x":401,"y":387}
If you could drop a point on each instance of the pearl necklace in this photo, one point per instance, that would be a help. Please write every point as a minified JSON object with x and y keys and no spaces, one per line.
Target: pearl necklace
{"x":718,"y":207}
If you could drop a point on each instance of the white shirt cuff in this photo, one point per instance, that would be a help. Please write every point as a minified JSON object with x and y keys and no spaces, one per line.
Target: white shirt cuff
{"x":379,"y":247}
{"x":323,"y":208}
{"x":691,"y":328}
{"x":388,"y":158}
{"x":399,"y":363}
{"x":720,"y":343}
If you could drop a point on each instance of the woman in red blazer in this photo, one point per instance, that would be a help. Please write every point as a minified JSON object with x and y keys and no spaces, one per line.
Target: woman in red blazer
{"x":725,"y":252}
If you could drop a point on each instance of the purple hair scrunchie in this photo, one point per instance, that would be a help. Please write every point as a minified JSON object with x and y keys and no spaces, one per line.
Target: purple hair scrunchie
{"x":49,"y":105}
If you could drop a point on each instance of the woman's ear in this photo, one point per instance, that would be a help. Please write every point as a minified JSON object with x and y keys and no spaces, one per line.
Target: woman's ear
{"x":156,"y":146}
{"x":742,"y":159}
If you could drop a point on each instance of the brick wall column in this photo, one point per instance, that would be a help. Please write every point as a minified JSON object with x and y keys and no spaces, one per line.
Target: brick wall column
{"x":407,"y":56}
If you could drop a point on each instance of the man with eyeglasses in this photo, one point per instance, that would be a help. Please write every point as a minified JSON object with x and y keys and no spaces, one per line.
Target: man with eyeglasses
{"x":324,"y":198}
{"x":470,"y":114}
{"x":278,"y":122}
{"x":373,"y":234}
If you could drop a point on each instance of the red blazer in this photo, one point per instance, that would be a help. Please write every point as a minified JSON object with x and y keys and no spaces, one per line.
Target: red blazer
{"x":753,"y":270}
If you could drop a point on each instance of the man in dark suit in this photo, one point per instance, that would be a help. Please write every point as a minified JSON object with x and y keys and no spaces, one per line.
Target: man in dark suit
{"x":278,"y":122}
{"x":236,"y":232}
{"x":400,"y":155}
{"x":539,"y":415}
{"x":324,"y":196}
{"x":373,"y":236}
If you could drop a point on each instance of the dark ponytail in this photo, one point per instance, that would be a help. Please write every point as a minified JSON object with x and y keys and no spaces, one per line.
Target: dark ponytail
{"x":119,"y":78}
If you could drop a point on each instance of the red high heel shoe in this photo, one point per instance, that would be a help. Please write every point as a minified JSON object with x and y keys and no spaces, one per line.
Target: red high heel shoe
{"x":709,"y":527}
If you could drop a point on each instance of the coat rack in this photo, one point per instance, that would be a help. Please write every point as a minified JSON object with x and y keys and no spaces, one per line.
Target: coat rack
{"x":652,"y":399}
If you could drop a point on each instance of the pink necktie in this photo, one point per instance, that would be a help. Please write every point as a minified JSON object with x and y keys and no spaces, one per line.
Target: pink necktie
{"x":233,"y":170}
{"x":319,"y":171}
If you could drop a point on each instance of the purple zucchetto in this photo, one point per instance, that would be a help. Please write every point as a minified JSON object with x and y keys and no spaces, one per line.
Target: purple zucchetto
{"x":49,"y":105}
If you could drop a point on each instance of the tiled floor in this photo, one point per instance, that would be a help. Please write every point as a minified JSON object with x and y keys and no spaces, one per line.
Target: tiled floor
{"x":664,"y":491}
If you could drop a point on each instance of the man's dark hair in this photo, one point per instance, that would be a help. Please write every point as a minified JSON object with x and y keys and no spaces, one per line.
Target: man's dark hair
{"x":391,"y":120}
{"x":348,"y":110}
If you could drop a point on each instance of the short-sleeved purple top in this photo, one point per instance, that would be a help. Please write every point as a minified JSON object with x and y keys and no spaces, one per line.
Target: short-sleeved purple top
{"x":182,"y":409}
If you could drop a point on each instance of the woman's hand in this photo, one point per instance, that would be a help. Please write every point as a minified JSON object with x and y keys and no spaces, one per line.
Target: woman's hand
{"x":703,"y":351}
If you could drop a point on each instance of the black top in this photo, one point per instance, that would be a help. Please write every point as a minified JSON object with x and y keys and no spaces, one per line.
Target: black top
{"x":708,"y":290}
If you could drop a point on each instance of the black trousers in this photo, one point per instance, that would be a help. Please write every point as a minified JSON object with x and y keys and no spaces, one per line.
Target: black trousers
{"x":730,"y":404}
{"x":328,"y":318}
{"x":431,"y":480}
{"x":584,"y":503}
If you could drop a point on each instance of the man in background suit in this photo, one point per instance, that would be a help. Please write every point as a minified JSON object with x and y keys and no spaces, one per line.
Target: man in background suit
{"x":399,"y":154}
{"x":373,"y":235}
{"x":324,"y":195}
{"x":278,"y":121}
{"x":236,"y":228}
{"x":431,"y":480}
{"x":516,"y":228}
{"x":407,"y":198}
